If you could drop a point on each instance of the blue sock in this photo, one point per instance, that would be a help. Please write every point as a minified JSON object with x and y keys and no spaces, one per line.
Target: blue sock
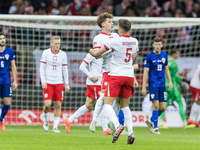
{"x":159,"y":112}
{"x":121,"y":117}
{"x":4,"y":111}
{"x":154,"y":118}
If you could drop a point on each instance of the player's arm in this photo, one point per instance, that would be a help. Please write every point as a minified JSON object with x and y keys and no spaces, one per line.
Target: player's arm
{"x":42,"y":71}
{"x":14,"y":74}
{"x":83,"y":68}
{"x":167,"y":73}
{"x":144,"y":81}
{"x":97,"y":53}
{"x":65,"y":74}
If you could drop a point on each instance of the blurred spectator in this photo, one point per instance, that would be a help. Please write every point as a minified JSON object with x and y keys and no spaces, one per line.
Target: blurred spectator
{"x":109,"y":9}
{"x":28,"y":7}
{"x":121,"y":7}
{"x":14,"y":6}
{"x":101,"y":8}
{"x":148,"y":12}
{"x":129,"y":12}
{"x":53,"y":8}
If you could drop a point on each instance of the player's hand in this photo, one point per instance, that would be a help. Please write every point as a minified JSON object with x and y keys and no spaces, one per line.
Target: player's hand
{"x":14,"y":85}
{"x":144,"y":91}
{"x":136,"y":66}
{"x":170,"y":85}
{"x":134,"y":56}
{"x":44,"y":86}
{"x":95,"y":78}
{"x":67,"y":88}
{"x":135,"y":83}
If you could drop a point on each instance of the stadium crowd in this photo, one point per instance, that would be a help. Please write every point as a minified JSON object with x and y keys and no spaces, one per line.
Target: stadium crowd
{"x":147,"y":8}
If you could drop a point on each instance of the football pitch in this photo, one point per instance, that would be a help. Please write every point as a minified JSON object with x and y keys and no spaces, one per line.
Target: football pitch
{"x":80,"y":138}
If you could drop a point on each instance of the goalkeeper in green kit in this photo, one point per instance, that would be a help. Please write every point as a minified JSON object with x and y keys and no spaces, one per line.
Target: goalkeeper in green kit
{"x":174,"y":94}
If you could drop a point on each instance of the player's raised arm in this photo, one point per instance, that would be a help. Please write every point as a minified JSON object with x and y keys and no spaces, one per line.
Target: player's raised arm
{"x":97,"y":53}
{"x":167,"y":73}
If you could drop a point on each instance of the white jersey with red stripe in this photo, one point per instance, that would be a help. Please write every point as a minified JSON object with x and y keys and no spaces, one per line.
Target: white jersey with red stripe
{"x":195,"y":81}
{"x":95,"y":69}
{"x":99,"y":41}
{"x":121,"y":62}
{"x":53,"y":71}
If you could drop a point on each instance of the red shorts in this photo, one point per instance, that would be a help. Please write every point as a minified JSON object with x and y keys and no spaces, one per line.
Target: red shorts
{"x":104,"y":81}
{"x":120,"y":86}
{"x":53,"y":92}
{"x":195,"y":93}
{"x":93,"y":91}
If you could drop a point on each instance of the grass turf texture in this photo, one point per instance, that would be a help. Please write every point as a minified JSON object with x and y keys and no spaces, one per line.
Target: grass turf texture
{"x":80,"y":138}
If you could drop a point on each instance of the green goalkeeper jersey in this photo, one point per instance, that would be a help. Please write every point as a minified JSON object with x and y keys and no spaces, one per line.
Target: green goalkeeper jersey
{"x":173,"y":69}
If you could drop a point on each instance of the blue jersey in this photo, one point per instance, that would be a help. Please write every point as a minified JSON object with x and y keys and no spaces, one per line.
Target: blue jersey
{"x":156,"y":65}
{"x":5,"y":58}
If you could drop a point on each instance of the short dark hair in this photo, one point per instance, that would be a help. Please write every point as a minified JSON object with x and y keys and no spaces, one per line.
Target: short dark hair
{"x":102,"y":17}
{"x":1,"y":33}
{"x":158,"y":39}
{"x":173,"y":51}
{"x":124,"y":24}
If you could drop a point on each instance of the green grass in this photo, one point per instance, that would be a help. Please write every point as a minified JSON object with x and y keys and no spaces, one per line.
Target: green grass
{"x":80,"y":138}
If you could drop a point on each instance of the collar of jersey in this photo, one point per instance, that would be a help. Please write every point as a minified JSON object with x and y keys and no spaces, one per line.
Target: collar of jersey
{"x":53,"y":52}
{"x":125,"y":36}
{"x":105,"y":33}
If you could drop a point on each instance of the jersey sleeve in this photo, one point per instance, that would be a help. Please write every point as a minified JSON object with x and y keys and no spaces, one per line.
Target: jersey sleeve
{"x":65,"y":70}
{"x":136,"y":47}
{"x":166,"y":60}
{"x":43,"y":58}
{"x":12,"y":55}
{"x":111,"y":44}
{"x":147,"y":61}
{"x":96,"y":43}
{"x":88,"y":59}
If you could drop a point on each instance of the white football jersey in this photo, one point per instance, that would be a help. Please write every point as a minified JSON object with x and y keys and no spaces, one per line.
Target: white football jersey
{"x":121,"y":62}
{"x":99,"y":41}
{"x":195,"y":81}
{"x":53,"y":72}
{"x":95,"y":69}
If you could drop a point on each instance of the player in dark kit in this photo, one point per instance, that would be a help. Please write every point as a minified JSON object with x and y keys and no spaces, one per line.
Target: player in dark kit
{"x":7,"y":59}
{"x":156,"y":67}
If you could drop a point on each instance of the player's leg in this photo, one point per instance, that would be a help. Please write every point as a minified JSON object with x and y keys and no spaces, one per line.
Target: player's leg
{"x":99,"y":104}
{"x":58,"y":98}
{"x":6,"y":93}
{"x":103,"y":119}
{"x":81,"y":111}
{"x":162,"y":116}
{"x":47,"y":96}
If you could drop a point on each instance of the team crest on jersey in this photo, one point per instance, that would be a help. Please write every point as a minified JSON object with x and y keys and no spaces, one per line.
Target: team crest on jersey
{"x":6,"y":56}
{"x":152,"y":96}
{"x":163,"y":60}
{"x":94,"y":43}
{"x":55,"y":58}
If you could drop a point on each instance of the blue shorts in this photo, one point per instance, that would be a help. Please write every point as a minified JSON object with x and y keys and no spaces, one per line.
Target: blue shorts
{"x":5,"y":90}
{"x":158,"y":93}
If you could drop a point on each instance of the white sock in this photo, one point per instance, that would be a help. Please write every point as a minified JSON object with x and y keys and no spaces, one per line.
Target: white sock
{"x":81,"y":111}
{"x":194,"y":112}
{"x":116,"y":106}
{"x":198,"y":114}
{"x":111,"y":114}
{"x":98,"y":107}
{"x":46,"y":116}
{"x":56,"y":122}
{"x":103,"y":119}
{"x":128,"y":119}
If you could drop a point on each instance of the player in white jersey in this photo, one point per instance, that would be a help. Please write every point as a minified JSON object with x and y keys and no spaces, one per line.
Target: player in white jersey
{"x":53,"y":70}
{"x":104,"y":21}
{"x":120,"y":83}
{"x":93,"y":82}
{"x":194,"y":118}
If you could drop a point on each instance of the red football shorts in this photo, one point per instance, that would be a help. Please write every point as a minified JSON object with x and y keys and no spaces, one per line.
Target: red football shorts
{"x":120,"y":86}
{"x":93,"y":91}
{"x":104,"y":81}
{"x":195,"y":93}
{"x":54,"y":92}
